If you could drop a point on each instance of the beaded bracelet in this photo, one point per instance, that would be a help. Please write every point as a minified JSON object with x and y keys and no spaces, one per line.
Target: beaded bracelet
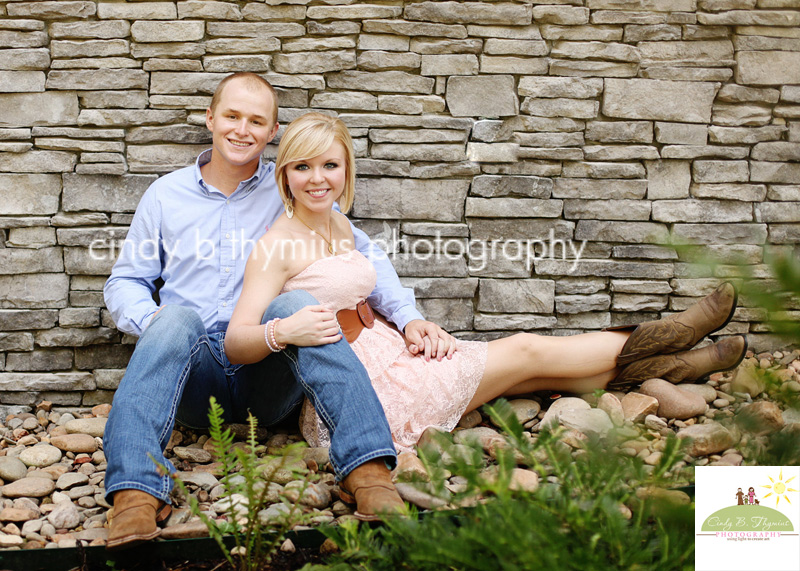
{"x":269,"y":336}
{"x":280,"y":346}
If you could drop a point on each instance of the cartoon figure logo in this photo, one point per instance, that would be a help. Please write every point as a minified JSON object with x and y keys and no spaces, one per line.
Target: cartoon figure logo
{"x":749,"y":515}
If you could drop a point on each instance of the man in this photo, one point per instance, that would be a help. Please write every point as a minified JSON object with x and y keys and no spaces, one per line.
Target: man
{"x":194,"y":229}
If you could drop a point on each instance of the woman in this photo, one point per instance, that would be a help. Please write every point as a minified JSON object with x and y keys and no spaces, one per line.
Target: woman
{"x":310,"y":247}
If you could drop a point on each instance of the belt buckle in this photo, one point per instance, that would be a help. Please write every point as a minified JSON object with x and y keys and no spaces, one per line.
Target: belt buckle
{"x":365,"y":314}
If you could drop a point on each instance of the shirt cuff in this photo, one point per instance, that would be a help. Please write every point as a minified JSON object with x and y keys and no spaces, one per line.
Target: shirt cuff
{"x":404,"y":315}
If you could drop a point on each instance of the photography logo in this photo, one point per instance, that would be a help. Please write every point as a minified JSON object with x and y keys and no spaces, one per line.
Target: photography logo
{"x":747,"y":517}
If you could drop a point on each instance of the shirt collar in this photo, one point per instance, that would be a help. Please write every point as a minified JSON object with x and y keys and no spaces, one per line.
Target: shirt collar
{"x":245,"y":187}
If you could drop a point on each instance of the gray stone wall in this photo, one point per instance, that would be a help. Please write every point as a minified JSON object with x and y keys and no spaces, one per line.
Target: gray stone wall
{"x":527,"y":162}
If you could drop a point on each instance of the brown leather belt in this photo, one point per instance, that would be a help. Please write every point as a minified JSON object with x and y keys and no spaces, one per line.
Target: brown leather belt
{"x":353,"y":321}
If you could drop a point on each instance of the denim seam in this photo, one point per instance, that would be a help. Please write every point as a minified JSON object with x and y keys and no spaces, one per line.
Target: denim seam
{"x":230,"y":368}
{"x":317,"y":403}
{"x":181,"y":381}
{"x":220,"y":347}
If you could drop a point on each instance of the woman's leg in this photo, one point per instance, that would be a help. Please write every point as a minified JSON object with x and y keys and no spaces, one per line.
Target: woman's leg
{"x":527,"y":362}
{"x":577,"y":385}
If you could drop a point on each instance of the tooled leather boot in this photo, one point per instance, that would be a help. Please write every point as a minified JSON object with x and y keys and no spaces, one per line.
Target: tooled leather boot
{"x":134,"y":519}
{"x":370,"y":487}
{"x":681,"y":331}
{"x":686,"y":366}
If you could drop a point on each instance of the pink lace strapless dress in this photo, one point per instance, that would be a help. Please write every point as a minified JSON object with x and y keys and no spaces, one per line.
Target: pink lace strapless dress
{"x":415,"y":394}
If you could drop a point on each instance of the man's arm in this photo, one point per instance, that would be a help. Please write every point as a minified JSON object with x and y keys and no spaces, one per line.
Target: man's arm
{"x":129,"y":291}
{"x":389,"y":297}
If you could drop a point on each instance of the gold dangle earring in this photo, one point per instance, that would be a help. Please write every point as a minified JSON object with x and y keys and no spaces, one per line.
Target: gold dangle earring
{"x":289,"y":207}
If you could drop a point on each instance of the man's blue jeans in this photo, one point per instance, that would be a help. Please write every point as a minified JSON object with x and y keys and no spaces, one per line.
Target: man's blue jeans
{"x":177,"y":366}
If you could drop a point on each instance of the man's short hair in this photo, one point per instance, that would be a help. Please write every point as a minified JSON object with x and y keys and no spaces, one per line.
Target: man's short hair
{"x":252,"y":81}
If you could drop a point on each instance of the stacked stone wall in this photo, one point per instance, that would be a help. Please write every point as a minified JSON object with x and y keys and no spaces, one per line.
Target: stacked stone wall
{"x":588,"y":132}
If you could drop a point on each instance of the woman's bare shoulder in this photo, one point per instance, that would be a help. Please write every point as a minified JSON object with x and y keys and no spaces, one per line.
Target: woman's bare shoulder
{"x":272,"y":251}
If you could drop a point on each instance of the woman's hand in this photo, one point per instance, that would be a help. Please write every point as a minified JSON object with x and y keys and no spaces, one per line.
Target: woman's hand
{"x":428,"y":340}
{"x":310,"y":326}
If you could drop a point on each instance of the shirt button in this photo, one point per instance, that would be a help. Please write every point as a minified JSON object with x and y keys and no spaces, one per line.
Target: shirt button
{"x":227,"y":202}
{"x":227,"y":235}
{"x":224,"y":304}
{"x":227,"y":270}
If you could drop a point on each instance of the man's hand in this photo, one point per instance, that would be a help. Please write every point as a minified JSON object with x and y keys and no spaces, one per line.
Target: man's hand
{"x":427,"y":339}
{"x":310,"y":326}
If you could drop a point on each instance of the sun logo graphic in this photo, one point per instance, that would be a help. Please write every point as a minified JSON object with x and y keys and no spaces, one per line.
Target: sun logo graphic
{"x":780,"y":489}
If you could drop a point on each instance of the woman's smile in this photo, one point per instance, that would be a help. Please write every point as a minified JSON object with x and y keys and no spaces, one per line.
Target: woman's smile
{"x":316,"y":182}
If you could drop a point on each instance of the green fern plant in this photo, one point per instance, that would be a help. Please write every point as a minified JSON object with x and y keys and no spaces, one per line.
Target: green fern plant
{"x":246,"y":475}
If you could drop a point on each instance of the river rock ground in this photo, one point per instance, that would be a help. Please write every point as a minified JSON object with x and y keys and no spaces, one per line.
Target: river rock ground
{"x":52,"y":465}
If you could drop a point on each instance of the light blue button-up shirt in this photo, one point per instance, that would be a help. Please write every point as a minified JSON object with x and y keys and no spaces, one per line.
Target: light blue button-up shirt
{"x":197,"y":240}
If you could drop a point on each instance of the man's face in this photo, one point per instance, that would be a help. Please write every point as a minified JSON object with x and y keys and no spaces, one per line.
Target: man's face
{"x":241,"y":124}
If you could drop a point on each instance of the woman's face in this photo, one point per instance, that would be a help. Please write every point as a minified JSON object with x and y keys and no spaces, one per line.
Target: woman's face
{"x":317,"y":182}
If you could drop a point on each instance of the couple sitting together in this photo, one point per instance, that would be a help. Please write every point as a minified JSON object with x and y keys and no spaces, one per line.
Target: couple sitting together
{"x":266,"y":321}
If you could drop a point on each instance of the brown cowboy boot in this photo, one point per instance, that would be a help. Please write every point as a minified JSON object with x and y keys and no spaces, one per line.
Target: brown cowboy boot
{"x":370,"y":487}
{"x":134,"y":518}
{"x":681,"y":331}
{"x":686,"y":366}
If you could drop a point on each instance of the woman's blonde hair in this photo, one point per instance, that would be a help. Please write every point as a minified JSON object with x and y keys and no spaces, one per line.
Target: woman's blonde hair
{"x":311,"y":135}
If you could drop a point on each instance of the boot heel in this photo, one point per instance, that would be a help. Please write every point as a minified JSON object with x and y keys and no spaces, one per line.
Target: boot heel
{"x":163,"y":513}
